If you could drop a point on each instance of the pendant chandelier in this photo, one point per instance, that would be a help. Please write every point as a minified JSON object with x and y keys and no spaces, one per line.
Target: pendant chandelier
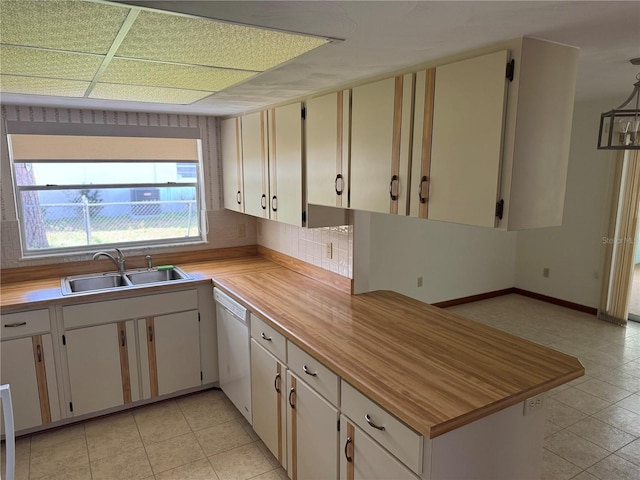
{"x":620,"y":127}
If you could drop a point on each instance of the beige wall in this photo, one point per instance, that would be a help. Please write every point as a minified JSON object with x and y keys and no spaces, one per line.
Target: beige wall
{"x":574,"y":252}
{"x":223,"y":231}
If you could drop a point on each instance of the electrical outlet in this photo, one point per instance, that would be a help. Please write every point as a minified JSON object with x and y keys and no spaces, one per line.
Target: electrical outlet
{"x":545,"y":272}
{"x":419,"y":282}
{"x":329,"y":248}
{"x":242,"y":231}
{"x":533,"y":404}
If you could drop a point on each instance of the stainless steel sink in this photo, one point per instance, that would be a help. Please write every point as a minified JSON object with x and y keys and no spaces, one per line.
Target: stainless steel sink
{"x":142,"y":277}
{"x":114,"y":281}
{"x":88,"y":283}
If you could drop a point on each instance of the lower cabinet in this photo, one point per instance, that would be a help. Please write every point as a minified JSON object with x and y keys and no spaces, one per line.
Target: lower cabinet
{"x":169,"y":353}
{"x":312,"y":432}
{"x":122,"y":351}
{"x":101,"y":361}
{"x":28,"y":367}
{"x":362,"y":458}
{"x":268,"y":397}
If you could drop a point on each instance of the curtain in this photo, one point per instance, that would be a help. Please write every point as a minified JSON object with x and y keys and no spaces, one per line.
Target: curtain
{"x":620,"y":242}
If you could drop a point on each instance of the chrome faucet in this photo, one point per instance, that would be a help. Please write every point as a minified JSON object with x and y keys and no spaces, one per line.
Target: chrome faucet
{"x":119,"y":262}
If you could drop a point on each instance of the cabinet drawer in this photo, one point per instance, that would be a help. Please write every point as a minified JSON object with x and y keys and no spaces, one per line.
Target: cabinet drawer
{"x":398,"y":438}
{"x":319,"y":377}
{"x":96,"y":313}
{"x":25,"y":323}
{"x":269,"y":338}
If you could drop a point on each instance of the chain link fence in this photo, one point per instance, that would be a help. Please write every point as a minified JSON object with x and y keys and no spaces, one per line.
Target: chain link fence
{"x":59,"y":225}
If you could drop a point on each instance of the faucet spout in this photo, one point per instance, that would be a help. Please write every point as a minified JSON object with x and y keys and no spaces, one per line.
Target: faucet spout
{"x":118,"y":262}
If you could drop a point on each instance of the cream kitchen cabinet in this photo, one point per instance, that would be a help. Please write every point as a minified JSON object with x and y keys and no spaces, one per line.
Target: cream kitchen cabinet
{"x":285,"y":164}
{"x":312,"y":432}
{"x":268,"y":397}
{"x":380,"y":145}
{"x":362,"y":458}
{"x":255,"y":164}
{"x":125,"y":350}
{"x":232,"y":179}
{"x":101,"y":362}
{"x":169,"y":347}
{"x":28,"y":366}
{"x":489,"y":151}
{"x":327,"y":149}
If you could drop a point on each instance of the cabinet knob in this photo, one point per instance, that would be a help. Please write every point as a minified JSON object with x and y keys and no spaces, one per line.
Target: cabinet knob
{"x":123,"y":338}
{"x":393,"y":196}
{"x":367,"y":417}
{"x":346,"y":450}
{"x":423,"y":180}
{"x":39,"y":353}
{"x":274,"y":203}
{"x":339,"y":190}
{"x":238,"y":198}
{"x":263,"y":201}
{"x":291,"y":393}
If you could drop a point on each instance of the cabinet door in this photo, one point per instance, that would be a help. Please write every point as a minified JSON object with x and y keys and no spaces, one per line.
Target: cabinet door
{"x":232,"y":164}
{"x":255,"y":164}
{"x":327,"y":143}
{"x":362,"y":458}
{"x":98,"y":360}
{"x":285,"y":164}
{"x":466,"y":150}
{"x":169,"y":353}
{"x":268,"y":394}
{"x":380,"y":140}
{"x":24,"y":367}
{"x":312,"y":425}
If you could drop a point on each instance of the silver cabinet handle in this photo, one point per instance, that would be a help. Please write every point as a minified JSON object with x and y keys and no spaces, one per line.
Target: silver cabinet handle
{"x":305,"y":369}
{"x":14,"y":325}
{"x":276,"y":382}
{"x":346,"y":450}
{"x":264,"y":337}
{"x":291,"y":392}
{"x":393,"y":197}
{"x":367,"y":417}
{"x":423,"y":199}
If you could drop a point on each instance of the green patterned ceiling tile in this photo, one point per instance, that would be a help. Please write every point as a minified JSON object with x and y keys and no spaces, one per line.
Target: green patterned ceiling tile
{"x":72,"y":25}
{"x":48,"y":63}
{"x":42,"y":86}
{"x":136,"y":93}
{"x":139,"y":72}
{"x":157,"y":36}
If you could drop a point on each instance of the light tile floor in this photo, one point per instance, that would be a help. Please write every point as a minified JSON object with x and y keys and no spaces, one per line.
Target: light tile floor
{"x":592,"y":428}
{"x":200,"y":436}
{"x":593,"y":423}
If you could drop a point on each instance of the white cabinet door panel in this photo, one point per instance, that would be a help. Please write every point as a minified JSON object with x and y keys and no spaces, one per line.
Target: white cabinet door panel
{"x":255,"y":161}
{"x":232,"y":164}
{"x":466,"y":150}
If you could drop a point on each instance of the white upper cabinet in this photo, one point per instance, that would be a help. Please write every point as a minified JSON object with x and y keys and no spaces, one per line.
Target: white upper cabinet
{"x":285,"y":164}
{"x":494,"y":151}
{"x":327,"y":140}
{"x":380,"y":142}
{"x":466,"y":142}
{"x":255,"y":164}
{"x":232,"y":178}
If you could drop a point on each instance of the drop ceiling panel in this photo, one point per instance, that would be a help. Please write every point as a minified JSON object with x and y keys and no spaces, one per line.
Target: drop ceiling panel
{"x":42,"y":86}
{"x":137,"y":93}
{"x":140,"y":72}
{"x":49,"y":63}
{"x":157,"y":36}
{"x":61,"y":25}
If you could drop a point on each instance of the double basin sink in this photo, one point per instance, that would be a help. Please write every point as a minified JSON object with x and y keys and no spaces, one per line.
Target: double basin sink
{"x":115,"y":281}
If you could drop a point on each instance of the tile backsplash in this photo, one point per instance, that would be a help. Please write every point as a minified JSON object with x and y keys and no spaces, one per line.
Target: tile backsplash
{"x":310,"y":244}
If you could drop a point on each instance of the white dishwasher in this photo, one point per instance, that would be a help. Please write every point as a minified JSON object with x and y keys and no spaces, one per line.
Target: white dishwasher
{"x":233,"y":351}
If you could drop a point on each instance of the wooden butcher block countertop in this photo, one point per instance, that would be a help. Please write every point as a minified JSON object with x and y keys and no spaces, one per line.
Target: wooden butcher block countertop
{"x":432,"y":369}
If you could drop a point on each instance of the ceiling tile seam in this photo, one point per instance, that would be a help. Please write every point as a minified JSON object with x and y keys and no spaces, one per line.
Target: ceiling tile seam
{"x":53,"y":50}
{"x":124,"y":29}
{"x":181,"y":64}
{"x":160,"y":86}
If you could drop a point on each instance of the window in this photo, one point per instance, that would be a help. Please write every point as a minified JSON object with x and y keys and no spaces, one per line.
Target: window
{"x":76,"y":192}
